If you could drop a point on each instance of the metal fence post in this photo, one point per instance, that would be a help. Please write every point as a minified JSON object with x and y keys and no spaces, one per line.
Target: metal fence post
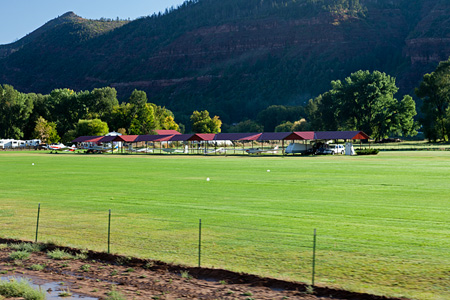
{"x":37,"y":223}
{"x":109,"y":230}
{"x":199,"y":242}
{"x":314,"y":258}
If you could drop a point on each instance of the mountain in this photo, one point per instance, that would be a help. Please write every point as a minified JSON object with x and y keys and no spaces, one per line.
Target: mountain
{"x":87,"y":28}
{"x":233,"y":57}
{"x":6,"y":50}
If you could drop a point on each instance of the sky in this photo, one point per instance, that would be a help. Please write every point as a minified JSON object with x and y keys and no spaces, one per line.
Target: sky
{"x":20,"y":17}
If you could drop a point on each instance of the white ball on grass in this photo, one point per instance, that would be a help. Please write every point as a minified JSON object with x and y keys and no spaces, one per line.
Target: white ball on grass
{"x":207,"y":179}
{"x":268,"y":170}
{"x":32,"y":164}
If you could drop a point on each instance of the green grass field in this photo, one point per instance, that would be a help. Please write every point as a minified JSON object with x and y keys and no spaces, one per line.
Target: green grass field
{"x":383,"y":222}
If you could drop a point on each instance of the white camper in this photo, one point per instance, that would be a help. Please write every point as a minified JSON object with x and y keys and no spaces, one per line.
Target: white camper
{"x":5,"y":144}
{"x":32,"y":143}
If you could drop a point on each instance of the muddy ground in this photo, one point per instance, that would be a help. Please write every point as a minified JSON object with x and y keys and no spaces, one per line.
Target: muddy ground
{"x":101,"y":273}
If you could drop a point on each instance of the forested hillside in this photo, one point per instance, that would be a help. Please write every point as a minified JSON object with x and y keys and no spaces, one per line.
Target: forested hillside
{"x":234,"y":57}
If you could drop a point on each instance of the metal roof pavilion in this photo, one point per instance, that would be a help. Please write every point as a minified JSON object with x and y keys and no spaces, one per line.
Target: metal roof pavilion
{"x":265,"y":136}
{"x":301,"y":135}
{"x":126,"y":138}
{"x":107,"y":139}
{"x":153,"y":138}
{"x":166,"y":132}
{"x":181,"y":137}
{"x":82,"y":139}
{"x":340,"y":135}
{"x":203,"y":137}
{"x":233,"y":136}
{"x":273,"y":136}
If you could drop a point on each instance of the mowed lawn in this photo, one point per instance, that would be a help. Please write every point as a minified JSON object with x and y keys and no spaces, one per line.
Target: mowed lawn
{"x":383,"y":222}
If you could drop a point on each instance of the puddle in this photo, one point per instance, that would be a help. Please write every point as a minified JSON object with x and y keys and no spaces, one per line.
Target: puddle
{"x":52,"y":289}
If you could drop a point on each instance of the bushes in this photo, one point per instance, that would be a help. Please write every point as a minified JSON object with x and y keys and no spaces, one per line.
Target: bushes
{"x":19,"y":255}
{"x":20,"y":288}
{"x":28,"y":247}
{"x":59,"y":254}
{"x":369,"y":151}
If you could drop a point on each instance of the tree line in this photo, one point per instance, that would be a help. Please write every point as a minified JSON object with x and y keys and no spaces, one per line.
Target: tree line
{"x":365,"y":101}
{"x":65,"y":114}
{"x":362,"y":101}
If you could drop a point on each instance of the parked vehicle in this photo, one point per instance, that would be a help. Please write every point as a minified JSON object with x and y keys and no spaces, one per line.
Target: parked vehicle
{"x":41,"y":146}
{"x":11,"y":144}
{"x":331,"y":149}
{"x":294,"y":148}
{"x":32,"y":143}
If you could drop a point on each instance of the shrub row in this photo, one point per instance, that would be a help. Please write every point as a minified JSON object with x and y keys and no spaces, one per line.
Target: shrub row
{"x":369,"y":151}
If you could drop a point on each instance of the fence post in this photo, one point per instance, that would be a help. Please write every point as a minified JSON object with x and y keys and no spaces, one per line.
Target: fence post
{"x":199,"y":242}
{"x":314,"y":258}
{"x":37,"y":223}
{"x":109,"y":230}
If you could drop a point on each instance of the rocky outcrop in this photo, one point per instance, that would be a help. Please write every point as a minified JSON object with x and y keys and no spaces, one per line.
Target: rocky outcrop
{"x":429,"y":42}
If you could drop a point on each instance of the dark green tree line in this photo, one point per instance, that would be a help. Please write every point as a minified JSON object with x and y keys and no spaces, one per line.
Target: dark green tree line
{"x":435,"y":92}
{"x":15,"y":109}
{"x":364,"y":101}
{"x":66,"y":113}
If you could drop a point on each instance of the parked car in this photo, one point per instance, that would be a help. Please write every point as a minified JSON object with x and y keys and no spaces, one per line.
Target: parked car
{"x":41,"y":146}
{"x":331,"y":149}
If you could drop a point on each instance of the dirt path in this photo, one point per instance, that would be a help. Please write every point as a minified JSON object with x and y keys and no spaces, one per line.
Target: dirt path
{"x":101,"y":273}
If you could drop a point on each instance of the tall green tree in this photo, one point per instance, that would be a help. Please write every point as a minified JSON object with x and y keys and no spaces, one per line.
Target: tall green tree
{"x":138,"y":98}
{"x":40,"y":109}
{"x":67,"y":107}
{"x":143,"y":121}
{"x":203,"y":123}
{"x":102,"y":102}
{"x":121,"y":117}
{"x":95,"y":127}
{"x":170,"y":124}
{"x":164,"y":118}
{"x":142,"y":114}
{"x":15,"y":109}
{"x":140,"y":117}
{"x":434,"y":90}
{"x":46,"y":131}
{"x":364,"y":101}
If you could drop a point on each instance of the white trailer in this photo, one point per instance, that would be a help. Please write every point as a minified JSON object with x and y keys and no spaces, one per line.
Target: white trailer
{"x":4,"y":144}
{"x":7,"y":143}
{"x":32,"y":143}
{"x":294,"y":148}
{"x":11,"y":144}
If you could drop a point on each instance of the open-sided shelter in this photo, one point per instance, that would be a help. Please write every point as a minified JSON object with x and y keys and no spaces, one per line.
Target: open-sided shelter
{"x":241,"y":137}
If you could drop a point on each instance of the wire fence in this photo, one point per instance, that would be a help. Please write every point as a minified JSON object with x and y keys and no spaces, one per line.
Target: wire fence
{"x":311,"y":257}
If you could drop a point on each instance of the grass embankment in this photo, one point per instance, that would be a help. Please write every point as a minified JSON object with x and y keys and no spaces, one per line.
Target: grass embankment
{"x":382,"y":221}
